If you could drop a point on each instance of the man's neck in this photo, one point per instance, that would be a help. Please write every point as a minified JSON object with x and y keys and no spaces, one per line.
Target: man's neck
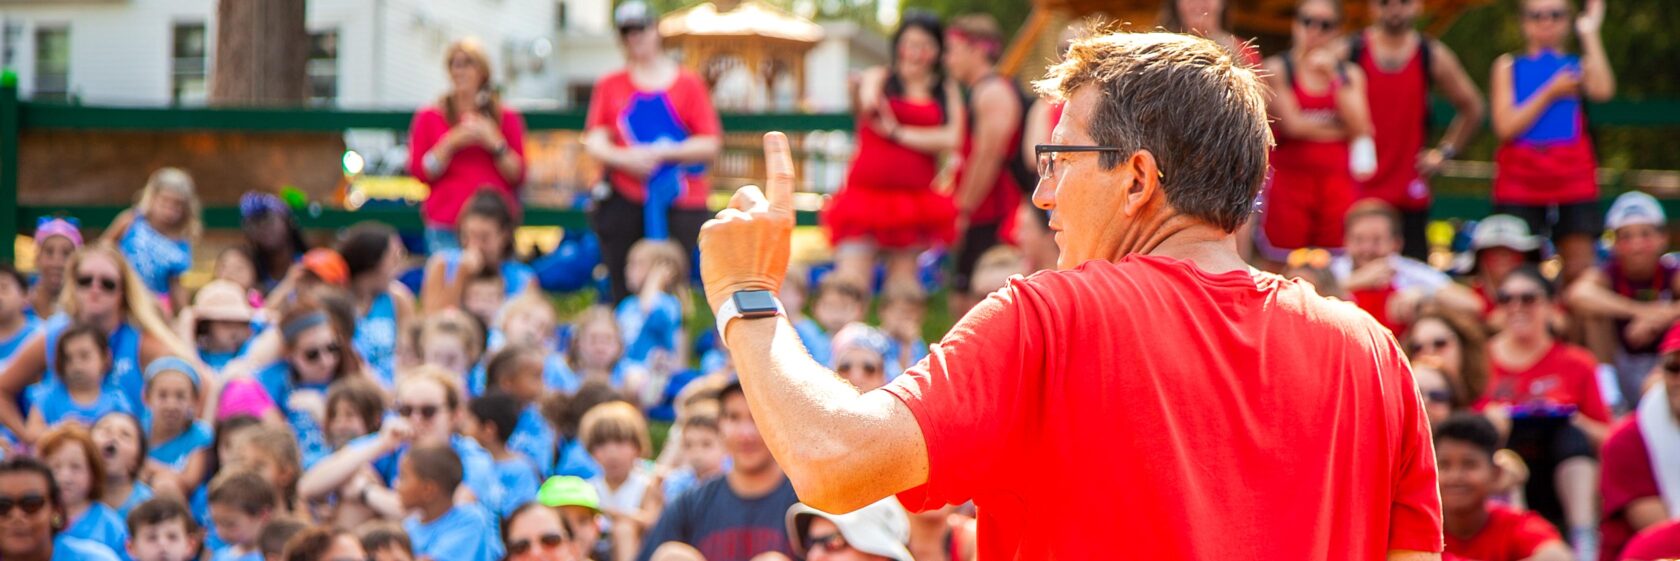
{"x":1465,"y":525}
{"x":1177,"y":236}
{"x":435,"y":510}
{"x":755,"y":484}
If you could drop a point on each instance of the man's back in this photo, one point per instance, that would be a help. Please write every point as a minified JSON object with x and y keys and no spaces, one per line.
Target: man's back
{"x":1148,"y":410}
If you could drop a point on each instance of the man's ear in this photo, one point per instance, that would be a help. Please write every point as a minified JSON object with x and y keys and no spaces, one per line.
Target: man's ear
{"x":1142,"y":178}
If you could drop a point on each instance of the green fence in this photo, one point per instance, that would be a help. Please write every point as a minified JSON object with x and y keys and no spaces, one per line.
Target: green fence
{"x":17,"y":116}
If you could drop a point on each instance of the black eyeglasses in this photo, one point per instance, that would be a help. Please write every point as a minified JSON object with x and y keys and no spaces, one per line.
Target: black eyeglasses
{"x":1545,"y":15}
{"x":832,"y":543}
{"x":107,"y":284}
{"x":867,"y":367}
{"x":1524,"y":298}
{"x":425,"y":411}
{"x":315,"y":354}
{"x":1310,"y":22}
{"x":30,"y":504}
{"x":519,"y":547}
{"x":1047,"y":159}
{"x":1436,"y":345}
{"x":626,"y":30}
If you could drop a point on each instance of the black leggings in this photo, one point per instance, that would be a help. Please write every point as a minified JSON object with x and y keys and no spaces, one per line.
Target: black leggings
{"x":617,"y":221}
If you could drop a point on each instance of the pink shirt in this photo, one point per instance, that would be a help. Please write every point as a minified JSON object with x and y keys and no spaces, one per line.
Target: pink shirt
{"x":469,"y":169}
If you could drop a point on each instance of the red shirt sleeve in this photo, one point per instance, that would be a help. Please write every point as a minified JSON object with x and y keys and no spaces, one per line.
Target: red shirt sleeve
{"x":603,"y":105}
{"x":1415,"y":516}
{"x":1531,"y":533}
{"x":1625,"y":475}
{"x":973,"y":395}
{"x":513,"y":132}
{"x":424,"y":132}
{"x":697,"y":112}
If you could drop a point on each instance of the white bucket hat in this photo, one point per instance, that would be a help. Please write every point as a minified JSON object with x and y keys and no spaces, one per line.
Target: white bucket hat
{"x":880,"y":529}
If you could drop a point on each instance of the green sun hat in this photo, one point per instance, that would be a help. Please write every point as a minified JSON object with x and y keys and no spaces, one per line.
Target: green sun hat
{"x":568,"y":490}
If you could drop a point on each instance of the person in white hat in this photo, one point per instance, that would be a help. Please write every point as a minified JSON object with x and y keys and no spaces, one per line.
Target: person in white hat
{"x":873,"y":533}
{"x":1634,"y":290}
{"x":218,"y":322}
{"x":1500,"y":244}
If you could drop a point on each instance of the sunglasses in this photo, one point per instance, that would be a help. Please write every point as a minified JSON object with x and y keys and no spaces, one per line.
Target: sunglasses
{"x":30,"y":504}
{"x":1436,"y":345}
{"x":832,"y":543}
{"x":1310,"y":22}
{"x":106,"y":284}
{"x":519,"y":547}
{"x":315,"y":354}
{"x":425,"y":411}
{"x":867,"y":367}
{"x":1387,"y":3}
{"x":1438,"y":396}
{"x":626,"y":30}
{"x":1523,"y":298}
{"x":1546,"y":15}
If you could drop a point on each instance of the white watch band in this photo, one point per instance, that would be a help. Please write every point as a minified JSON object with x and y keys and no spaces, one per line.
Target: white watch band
{"x":729,"y":311}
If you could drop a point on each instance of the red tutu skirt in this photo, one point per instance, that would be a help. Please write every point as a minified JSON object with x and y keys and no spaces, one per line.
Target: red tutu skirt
{"x":891,"y":218}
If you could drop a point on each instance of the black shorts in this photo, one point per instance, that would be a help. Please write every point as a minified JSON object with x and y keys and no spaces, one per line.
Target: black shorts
{"x":617,"y":221}
{"x":1543,"y":448}
{"x":1414,"y":231}
{"x":975,"y":242}
{"x":1558,"y":221}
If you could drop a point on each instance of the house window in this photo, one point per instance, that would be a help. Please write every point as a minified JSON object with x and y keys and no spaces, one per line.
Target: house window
{"x":52,"y":63}
{"x":188,"y":56}
{"x":323,"y":66}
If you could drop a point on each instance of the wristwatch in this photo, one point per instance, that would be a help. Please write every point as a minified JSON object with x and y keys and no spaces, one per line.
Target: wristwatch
{"x":749,"y":304}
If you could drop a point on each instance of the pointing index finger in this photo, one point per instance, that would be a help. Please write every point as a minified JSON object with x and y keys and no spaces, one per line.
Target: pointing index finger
{"x":778,"y":164}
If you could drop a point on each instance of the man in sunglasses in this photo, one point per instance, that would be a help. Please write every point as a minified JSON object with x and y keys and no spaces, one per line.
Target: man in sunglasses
{"x":1640,"y":481}
{"x":1402,"y":65}
{"x":1634,"y":290}
{"x":1242,"y":416}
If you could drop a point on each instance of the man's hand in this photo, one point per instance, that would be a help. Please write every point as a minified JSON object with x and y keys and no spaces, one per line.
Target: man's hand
{"x":1591,"y":18}
{"x":746,"y":246}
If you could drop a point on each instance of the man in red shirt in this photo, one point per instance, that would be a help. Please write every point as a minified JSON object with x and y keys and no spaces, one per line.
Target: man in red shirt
{"x":985,"y":191}
{"x":1634,"y":500}
{"x":1240,"y":415}
{"x":1476,"y":529}
{"x":1658,"y":542}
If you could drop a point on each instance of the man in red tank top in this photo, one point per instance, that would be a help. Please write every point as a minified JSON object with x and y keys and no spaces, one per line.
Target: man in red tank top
{"x":985,"y":192}
{"x":1401,"y":66}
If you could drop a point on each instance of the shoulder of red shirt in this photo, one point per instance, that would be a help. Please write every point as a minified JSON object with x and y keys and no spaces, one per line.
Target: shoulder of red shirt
{"x":1577,"y":355}
{"x":1661,"y":541}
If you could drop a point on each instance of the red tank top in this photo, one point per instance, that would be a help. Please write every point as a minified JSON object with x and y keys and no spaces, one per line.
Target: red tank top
{"x":886,"y":165}
{"x":1400,"y":129}
{"x":1321,"y":156}
{"x":998,"y":207}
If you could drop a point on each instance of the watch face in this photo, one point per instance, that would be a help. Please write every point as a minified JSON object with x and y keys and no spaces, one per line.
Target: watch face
{"x":755,"y":302}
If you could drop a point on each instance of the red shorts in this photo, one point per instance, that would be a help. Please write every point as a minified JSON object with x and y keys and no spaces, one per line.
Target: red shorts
{"x":1304,"y":207}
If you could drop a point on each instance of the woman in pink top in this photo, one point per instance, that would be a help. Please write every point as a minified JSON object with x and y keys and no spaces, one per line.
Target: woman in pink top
{"x":467,"y":140}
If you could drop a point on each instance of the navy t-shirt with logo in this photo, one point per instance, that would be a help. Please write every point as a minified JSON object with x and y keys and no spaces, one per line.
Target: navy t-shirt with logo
{"x":723,"y":525}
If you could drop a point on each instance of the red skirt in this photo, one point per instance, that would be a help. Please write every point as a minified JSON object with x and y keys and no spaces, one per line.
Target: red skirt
{"x":891,"y":218}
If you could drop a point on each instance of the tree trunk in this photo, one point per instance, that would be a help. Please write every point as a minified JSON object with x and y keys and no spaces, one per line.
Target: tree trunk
{"x":261,"y":51}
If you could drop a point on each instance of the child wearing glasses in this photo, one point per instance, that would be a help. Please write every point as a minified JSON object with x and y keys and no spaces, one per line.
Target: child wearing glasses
{"x":82,"y":392}
{"x":860,"y":356}
{"x":1547,"y":172}
{"x":428,"y":477}
{"x":315,"y":354}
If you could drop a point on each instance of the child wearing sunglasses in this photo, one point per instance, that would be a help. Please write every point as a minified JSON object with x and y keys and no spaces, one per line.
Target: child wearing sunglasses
{"x":82,"y":392}
{"x":860,"y":356}
{"x":316,"y":354}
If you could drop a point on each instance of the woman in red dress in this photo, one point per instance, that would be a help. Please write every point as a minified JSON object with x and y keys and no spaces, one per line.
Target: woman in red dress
{"x":907,"y":116}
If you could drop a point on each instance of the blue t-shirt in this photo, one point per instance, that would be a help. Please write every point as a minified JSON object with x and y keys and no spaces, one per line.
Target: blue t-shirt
{"x":141,"y":493}
{"x":157,"y":258}
{"x":918,"y":351}
{"x":658,"y":328}
{"x":376,"y":338}
{"x":56,"y":406}
{"x":465,"y":533}
{"x":478,"y":468}
{"x":815,"y":339}
{"x":176,"y":451}
{"x":723,"y":525}
{"x":572,"y":459}
{"x":533,"y":436}
{"x":520,"y":479}
{"x":516,"y":276}
{"x":312,"y":440}
{"x":559,"y":377}
{"x":225,"y":553}
{"x":99,"y":524}
{"x":9,"y":347}
{"x":67,"y":548}
{"x":126,"y":369}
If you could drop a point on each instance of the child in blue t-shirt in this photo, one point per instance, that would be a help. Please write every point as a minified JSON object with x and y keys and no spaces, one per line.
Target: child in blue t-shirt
{"x":597,"y":353}
{"x":180,"y":443}
{"x":157,"y":234}
{"x":529,"y":319}
{"x":221,"y":321}
{"x":241,"y":501}
{"x":15,"y":326}
{"x":794,"y":289}
{"x":651,"y":318}
{"x":81,"y":392}
{"x":427,"y":477}
{"x":490,"y":420}
{"x":123,"y":447}
{"x":78,"y":470}
{"x":903,"y":310}
{"x":516,"y":371}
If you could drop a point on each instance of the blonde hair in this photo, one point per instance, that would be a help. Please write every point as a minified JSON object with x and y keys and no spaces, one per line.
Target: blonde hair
{"x":454,"y":323}
{"x":672,"y":255}
{"x":591,"y":316}
{"x":615,"y":421}
{"x":489,"y":101}
{"x":138,"y":302}
{"x":527,"y":301}
{"x":177,"y":181}
{"x":450,"y":383}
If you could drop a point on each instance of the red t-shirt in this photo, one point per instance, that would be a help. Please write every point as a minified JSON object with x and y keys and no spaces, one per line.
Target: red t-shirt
{"x":1657,"y":542}
{"x":1510,"y":535}
{"x":692,"y":107}
{"x":469,"y":168}
{"x":1148,"y":407}
{"x":1624,"y":476}
{"x":1565,"y":375}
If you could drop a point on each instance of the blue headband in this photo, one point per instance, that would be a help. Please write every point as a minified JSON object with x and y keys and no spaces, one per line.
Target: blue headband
{"x":172,"y":364}
{"x":298,"y":326}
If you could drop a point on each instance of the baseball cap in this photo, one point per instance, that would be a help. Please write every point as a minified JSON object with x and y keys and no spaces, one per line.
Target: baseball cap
{"x":1635,"y":208}
{"x":633,"y":13}
{"x":878,"y":529}
{"x":1503,"y":230}
{"x":328,"y":265}
{"x":568,"y":490}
